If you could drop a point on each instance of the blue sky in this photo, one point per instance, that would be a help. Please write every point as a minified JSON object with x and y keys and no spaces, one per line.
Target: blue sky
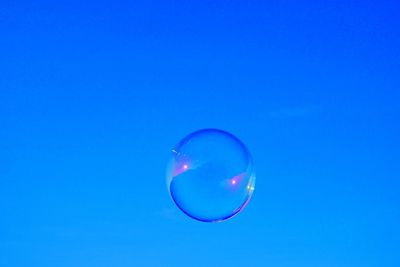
{"x":94,"y":95}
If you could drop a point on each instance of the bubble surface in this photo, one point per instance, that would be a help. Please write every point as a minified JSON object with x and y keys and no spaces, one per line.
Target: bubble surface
{"x":211,"y":175}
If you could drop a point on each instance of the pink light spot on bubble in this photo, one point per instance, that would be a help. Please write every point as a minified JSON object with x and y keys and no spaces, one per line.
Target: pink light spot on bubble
{"x":181,"y":168}
{"x":236,"y":180}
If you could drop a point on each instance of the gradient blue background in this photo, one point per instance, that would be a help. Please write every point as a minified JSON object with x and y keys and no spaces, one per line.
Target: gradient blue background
{"x":93,"y":95}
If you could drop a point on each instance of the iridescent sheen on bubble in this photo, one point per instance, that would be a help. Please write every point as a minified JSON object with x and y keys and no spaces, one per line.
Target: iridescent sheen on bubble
{"x":210,"y":175}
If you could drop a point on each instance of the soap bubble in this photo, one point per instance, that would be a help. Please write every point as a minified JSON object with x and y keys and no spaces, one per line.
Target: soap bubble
{"x":210,"y":175}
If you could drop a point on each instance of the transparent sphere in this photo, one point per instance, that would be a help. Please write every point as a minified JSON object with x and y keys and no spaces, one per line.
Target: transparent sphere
{"x":210,"y":175}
